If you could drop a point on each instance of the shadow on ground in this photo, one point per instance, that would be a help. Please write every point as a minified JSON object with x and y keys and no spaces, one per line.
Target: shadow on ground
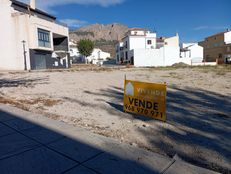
{"x":26,"y":148}
{"x":198,"y":128}
{"x":24,"y":82}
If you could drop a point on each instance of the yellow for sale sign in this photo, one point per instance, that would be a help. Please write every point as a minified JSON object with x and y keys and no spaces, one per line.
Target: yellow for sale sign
{"x":146,"y":99}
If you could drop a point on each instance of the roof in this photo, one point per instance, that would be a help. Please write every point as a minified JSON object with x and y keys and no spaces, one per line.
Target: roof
{"x":217,"y":34}
{"x":26,"y":6}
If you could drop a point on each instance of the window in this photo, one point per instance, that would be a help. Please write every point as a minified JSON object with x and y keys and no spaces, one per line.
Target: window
{"x":149,"y":42}
{"x":44,"y":38}
{"x":126,"y":55}
{"x":228,"y":49}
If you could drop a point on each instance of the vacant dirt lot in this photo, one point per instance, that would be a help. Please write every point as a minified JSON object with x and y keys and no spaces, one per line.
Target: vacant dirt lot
{"x":198,"y":108}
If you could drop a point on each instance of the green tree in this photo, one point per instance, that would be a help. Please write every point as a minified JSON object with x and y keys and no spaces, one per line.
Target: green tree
{"x":85,"y":47}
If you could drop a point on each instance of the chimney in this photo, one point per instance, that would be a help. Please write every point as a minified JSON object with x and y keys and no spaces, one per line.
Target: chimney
{"x":32,"y":4}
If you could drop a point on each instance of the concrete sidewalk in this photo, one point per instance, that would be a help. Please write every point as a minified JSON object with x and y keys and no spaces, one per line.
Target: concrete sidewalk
{"x":34,"y":144}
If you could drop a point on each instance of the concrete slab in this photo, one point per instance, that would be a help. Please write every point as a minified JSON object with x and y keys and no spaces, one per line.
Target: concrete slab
{"x":75,"y":149}
{"x":38,"y":161}
{"x":180,"y":166}
{"x":80,"y":170}
{"x":15,"y":143}
{"x":4,"y":130}
{"x":107,"y":163}
{"x":125,"y":152}
{"x":42,"y":135}
{"x":4,"y":116}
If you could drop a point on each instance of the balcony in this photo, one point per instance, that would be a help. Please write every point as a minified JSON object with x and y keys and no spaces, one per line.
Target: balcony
{"x":60,"y":43}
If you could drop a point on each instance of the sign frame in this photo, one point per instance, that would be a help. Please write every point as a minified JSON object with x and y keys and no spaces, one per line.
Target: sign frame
{"x":144,"y":98}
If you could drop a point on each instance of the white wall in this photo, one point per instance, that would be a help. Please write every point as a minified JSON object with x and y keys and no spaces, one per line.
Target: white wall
{"x":165,"y":56}
{"x":228,"y":37}
{"x":98,"y":54}
{"x":74,"y":52}
{"x":172,"y":41}
{"x":147,"y":58}
{"x":195,"y":51}
{"x":104,"y":55}
{"x":12,"y":35}
{"x":170,"y":55}
{"x":22,"y":32}
{"x":136,"y":43}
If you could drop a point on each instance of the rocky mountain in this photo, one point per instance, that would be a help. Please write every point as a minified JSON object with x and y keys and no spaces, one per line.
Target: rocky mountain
{"x":104,"y":36}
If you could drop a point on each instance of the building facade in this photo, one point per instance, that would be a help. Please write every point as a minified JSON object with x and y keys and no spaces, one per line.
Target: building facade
{"x":135,"y":39}
{"x":217,"y":47}
{"x":192,"y":52}
{"x":32,"y":39}
{"x":142,"y":48}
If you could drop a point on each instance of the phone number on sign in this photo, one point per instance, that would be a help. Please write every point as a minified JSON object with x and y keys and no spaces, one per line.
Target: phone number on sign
{"x":143,"y":111}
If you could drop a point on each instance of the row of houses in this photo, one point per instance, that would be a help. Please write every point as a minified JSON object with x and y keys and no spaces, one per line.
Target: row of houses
{"x":32,"y":39}
{"x":142,"y":48}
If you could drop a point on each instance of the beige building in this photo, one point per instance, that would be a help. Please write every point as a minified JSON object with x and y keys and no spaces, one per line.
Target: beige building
{"x":217,"y":47}
{"x":31,"y":38}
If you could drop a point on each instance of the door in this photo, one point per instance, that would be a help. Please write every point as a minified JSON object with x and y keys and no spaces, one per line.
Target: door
{"x":40,"y":61}
{"x":132,"y":60}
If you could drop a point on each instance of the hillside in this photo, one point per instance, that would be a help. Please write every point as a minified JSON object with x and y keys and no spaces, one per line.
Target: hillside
{"x":104,"y":36}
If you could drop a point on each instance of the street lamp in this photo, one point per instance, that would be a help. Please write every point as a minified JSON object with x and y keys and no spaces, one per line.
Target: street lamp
{"x":24,"y":53}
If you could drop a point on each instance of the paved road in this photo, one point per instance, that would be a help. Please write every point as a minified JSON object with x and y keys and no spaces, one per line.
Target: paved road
{"x":34,"y":144}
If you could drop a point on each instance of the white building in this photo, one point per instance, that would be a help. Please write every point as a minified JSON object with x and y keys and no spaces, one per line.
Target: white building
{"x":135,"y":39}
{"x":31,"y":38}
{"x":191,"y":53}
{"x":74,"y":53}
{"x":97,"y":57}
{"x":142,"y":48}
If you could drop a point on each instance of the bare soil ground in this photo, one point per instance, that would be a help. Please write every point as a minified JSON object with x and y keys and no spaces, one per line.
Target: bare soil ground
{"x":198,"y":126}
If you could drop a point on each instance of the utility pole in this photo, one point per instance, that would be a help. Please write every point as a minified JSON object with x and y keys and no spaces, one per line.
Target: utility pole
{"x":24,"y":53}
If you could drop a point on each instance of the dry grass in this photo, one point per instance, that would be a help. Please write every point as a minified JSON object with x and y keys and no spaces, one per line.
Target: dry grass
{"x":44,"y":102}
{"x":175,"y":75}
{"x":25,"y":104}
{"x":6,"y":100}
{"x":218,"y":70}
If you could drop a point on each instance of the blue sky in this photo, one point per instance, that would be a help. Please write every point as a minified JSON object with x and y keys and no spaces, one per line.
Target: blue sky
{"x":192,"y":19}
